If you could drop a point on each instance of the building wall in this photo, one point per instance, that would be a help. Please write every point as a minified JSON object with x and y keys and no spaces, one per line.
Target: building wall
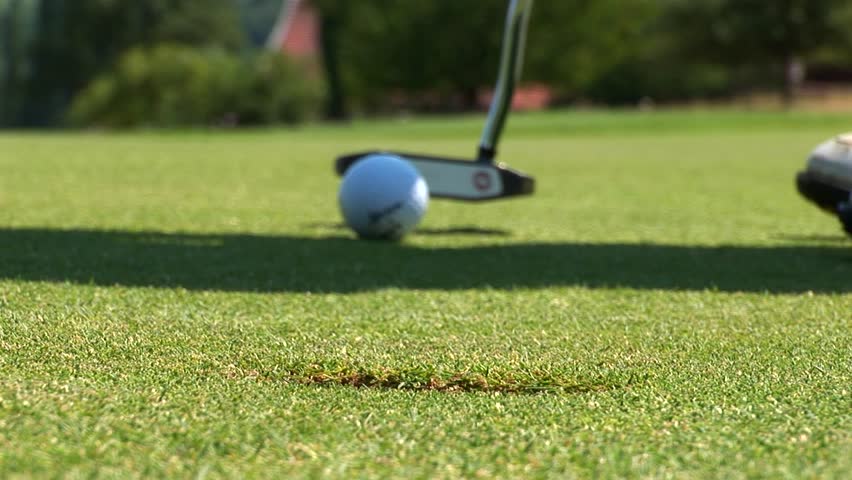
{"x":300,"y":35}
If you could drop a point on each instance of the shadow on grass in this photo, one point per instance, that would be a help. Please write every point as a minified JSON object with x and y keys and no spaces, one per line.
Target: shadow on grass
{"x":839,"y":238}
{"x":233,"y":262}
{"x":463,"y":230}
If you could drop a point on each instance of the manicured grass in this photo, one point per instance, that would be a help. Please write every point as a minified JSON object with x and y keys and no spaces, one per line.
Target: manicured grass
{"x":186,"y":304}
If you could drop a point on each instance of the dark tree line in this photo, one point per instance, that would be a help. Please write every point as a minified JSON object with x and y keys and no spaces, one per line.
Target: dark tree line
{"x":75,"y":40}
{"x":438,"y":53}
{"x":779,"y":37}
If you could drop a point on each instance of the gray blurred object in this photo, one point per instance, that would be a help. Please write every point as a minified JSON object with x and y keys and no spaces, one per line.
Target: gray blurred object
{"x":827,"y":178}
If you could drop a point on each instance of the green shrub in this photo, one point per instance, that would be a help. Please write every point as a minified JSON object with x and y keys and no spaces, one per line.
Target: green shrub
{"x":278,"y":91}
{"x":170,"y":85}
{"x":632,"y":81}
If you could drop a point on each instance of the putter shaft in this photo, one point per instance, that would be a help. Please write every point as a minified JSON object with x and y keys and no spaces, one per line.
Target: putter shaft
{"x":511,"y":65}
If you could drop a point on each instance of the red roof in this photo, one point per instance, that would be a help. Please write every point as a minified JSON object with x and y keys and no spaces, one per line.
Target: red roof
{"x":298,"y":29}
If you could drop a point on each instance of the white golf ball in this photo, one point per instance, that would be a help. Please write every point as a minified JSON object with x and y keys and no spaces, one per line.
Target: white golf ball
{"x":383,"y":196}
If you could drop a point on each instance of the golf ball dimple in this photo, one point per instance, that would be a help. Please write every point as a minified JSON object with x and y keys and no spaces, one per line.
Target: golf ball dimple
{"x":383,"y":196}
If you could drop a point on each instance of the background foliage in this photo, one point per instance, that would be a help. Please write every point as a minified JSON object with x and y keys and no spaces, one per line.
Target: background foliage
{"x":173,"y":85}
{"x":379,"y":54}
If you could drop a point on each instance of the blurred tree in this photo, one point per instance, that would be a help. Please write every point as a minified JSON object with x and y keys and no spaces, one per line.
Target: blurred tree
{"x":756,"y":35}
{"x":447,"y":48}
{"x":443,"y":47}
{"x":439,"y":54}
{"x":436,"y":54}
{"x":9,"y":64}
{"x":172,"y":85}
{"x":16,"y":36}
{"x":80,"y":38}
{"x":334,"y":15}
{"x":651,"y":66}
{"x":573,"y":42}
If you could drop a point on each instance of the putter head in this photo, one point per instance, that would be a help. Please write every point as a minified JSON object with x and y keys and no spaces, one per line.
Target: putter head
{"x":458,"y":179}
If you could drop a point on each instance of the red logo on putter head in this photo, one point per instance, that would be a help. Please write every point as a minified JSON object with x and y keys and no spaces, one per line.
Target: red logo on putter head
{"x":481,"y":180}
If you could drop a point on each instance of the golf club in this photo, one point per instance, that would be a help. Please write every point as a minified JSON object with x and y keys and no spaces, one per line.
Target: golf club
{"x":479,"y":179}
